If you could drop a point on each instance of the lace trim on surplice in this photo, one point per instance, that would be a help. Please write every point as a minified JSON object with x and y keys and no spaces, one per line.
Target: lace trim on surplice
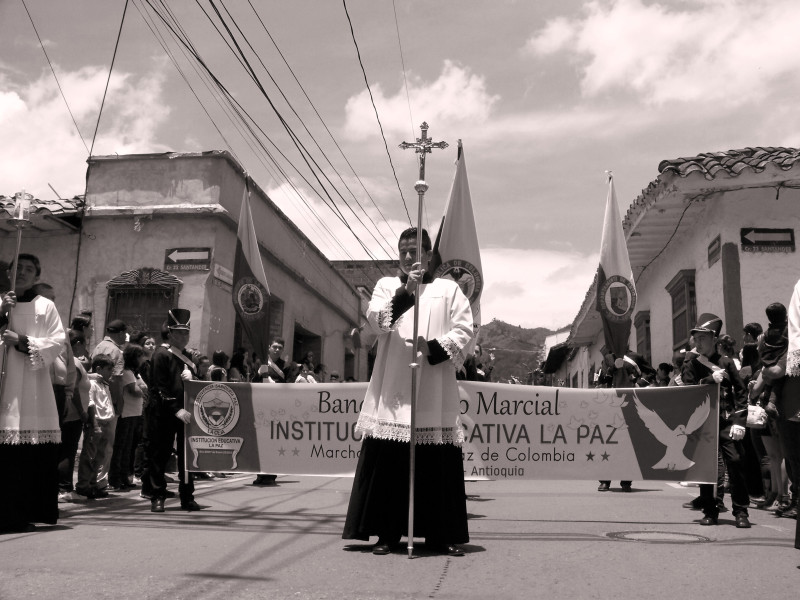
{"x":400,"y":432}
{"x":385,"y":317}
{"x":453,"y":351}
{"x":30,"y":436}
{"x":793,"y":363}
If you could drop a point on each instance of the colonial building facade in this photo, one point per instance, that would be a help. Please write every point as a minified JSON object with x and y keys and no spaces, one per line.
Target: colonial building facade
{"x":712,"y":233}
{"x":159,"y":230}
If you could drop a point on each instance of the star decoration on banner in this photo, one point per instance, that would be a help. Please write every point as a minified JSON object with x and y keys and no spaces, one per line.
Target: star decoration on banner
{"x":605,"y":456}
{"x":281,"y":452}
{"x":590,"y":456}
{"x":296,"y":452}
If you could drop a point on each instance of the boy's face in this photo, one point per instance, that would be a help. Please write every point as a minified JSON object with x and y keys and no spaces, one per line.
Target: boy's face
{"x":705,"y":342}
{"x":106,"y":372}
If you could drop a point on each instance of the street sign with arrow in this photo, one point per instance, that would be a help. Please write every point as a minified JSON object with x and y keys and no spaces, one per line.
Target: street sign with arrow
{"x":755,"y":239}
{"x":187,"y":259}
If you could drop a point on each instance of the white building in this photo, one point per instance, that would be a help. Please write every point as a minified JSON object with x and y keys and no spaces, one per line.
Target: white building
{"x":712,"y":233}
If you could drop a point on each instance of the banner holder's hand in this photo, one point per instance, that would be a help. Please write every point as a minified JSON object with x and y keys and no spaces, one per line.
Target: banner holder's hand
{"x":184,"y":415}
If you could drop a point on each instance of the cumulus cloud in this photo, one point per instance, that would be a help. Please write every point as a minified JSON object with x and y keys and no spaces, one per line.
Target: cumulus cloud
{"x":42,"y":145}
{"x":456,"y":97}
{"x":728,"y":52}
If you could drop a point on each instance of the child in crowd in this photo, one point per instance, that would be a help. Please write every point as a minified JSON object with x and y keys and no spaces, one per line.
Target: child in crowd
{"x":772,"y":347}
{"x":134,"y":391}
{"x":98,"y":438}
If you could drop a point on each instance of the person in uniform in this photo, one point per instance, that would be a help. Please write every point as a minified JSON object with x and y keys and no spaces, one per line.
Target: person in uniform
{"x":165,"y":415}
{"x":703,"y":364}
{"x":380,"y":495}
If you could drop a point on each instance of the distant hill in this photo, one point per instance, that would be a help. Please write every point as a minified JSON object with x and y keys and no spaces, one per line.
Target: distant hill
{"x":517,"y":350}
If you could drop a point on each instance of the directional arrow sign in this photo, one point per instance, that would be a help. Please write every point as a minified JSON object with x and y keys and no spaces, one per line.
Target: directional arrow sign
{"x":187,"y":259}
{"x":756,"y":239}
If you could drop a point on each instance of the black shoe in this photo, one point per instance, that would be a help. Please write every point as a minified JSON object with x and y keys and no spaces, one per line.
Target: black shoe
{"x":789,"y":513}
{"x":265,"y":480}
{"x":603,"y":487}
{"x":453,"y":550}
{"x":709,"y":521}
{"x":157,"y":505}
{"x":626,"y":487}
{"x":191,"y":505}
{"x":693,"y":504}
{"x":721,"y":507}
{"x":381,"y":548}
{"x":742,"y":522}
{"x":100,"y":494}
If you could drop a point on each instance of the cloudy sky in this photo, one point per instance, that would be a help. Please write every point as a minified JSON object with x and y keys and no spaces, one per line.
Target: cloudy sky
{"x":545,"y":95}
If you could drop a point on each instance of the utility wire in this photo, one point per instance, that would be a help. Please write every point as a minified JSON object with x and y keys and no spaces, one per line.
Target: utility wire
{"x":300,"y":85}
{"x":403,"y":63}
{"x":375,"y":108}
{"x":56,"y":78}
{"x":110,"y":70}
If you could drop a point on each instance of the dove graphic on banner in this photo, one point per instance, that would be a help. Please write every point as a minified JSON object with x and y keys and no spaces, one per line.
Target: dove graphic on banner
{"x":673,"y":439}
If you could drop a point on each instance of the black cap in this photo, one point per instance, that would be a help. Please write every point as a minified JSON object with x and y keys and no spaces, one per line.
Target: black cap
{"x":178,"y":318}
{"x":708,"y":323}
{"x":116,"y":326}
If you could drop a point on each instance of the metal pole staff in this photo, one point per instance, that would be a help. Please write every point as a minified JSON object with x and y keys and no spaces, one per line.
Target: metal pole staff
{"x":21,"y":219}
{"x":422,"y":146}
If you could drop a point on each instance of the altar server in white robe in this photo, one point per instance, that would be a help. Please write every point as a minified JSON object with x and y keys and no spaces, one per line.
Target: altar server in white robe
{"x":379,"y":499}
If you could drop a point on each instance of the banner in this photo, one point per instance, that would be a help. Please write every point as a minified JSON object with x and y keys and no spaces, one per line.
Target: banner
{"x":457,"y":255}
{"x":616,"y":294}
{"x":250,"y":289}
{"x":511,"y":431}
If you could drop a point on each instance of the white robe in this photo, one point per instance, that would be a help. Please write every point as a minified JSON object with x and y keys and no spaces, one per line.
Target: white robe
{"x":445,"y":316}
{"x":28,"y":413}
{"x":793,"y":354}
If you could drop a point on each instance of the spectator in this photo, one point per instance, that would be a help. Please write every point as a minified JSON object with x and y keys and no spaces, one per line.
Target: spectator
{"x":663,"y":374}
{"x":319,"y":373}
{"x":218,"y":369}
{"x":134,"y":391}
{"x":306,"y":374}
{"x":111,"y":345}
{"x":334,"y":377}
{"x":98,"y":438}
{"x":75,"y":418}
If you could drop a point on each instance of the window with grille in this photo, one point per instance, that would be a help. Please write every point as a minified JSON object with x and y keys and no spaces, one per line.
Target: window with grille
{"x":684,"y":307}
{"x":141,"y":299}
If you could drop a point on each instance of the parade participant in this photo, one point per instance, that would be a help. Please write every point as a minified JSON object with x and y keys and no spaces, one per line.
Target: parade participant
{"x":29,"y":431}
{"x":165,"y":415}
{"x":789,"y":405}
{"x":274,"y":371}
{"x":380,"y":494}
{"x":703,"y":364}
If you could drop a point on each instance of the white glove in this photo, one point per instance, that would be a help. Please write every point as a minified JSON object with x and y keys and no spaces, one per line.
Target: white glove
{"x":186,"y":374}
{"x":184,"y":415}
{"x":737,"y":432}
{"x":718,"y":376}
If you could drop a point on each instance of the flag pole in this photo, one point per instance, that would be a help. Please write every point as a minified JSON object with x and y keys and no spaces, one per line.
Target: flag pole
{"x":422,"y":146}
{"x":21,"y":219}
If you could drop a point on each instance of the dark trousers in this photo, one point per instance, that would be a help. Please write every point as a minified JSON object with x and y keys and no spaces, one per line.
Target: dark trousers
{"x":790,"y":442}
{"x":120,"y":470}
{"x":67,"y":450}
{"x":163,"y":429}
{"x":139,"y":443}
{"x":732,"y":454}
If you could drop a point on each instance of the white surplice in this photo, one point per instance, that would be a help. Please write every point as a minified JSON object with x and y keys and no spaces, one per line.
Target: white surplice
{"x":445,"y":316}
{"x":28,"y":413}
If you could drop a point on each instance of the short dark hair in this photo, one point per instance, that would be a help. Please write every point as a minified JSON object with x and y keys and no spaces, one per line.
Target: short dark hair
{"x":76,"y":337}
{"x":219,"y":358}
{"x":131,"y":355}
{"x":138,"y":337}
{"x":666,"y":367}
{"x":33,"y":259}
{"x":753,"y":329}
{"x":102,"y":360}
{"x":727,"y":343}
{"x":80,"y":322}
{"x":411,"y":233}
{"x":278,"y":340}
{"x":776,"y":313}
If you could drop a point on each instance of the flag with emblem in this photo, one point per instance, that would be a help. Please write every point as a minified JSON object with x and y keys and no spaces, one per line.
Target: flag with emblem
{"x":250,"y":289}
{"x":457,"y":255}
{"x":616,"y":294}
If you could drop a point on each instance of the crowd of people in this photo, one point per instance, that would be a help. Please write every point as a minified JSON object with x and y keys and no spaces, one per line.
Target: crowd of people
{"x":125,"y":399}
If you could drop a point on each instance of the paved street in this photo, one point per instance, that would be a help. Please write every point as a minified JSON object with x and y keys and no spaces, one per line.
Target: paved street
{"x":534,"y":539}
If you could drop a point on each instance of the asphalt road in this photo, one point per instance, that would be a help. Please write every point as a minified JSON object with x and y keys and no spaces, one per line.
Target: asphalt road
{"x":533,"y":539}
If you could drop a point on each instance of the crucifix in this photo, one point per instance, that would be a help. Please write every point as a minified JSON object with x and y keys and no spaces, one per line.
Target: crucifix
{"x":424,"y":145}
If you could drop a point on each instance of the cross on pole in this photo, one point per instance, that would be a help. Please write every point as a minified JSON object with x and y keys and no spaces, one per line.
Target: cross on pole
{"x":424,"y":145}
